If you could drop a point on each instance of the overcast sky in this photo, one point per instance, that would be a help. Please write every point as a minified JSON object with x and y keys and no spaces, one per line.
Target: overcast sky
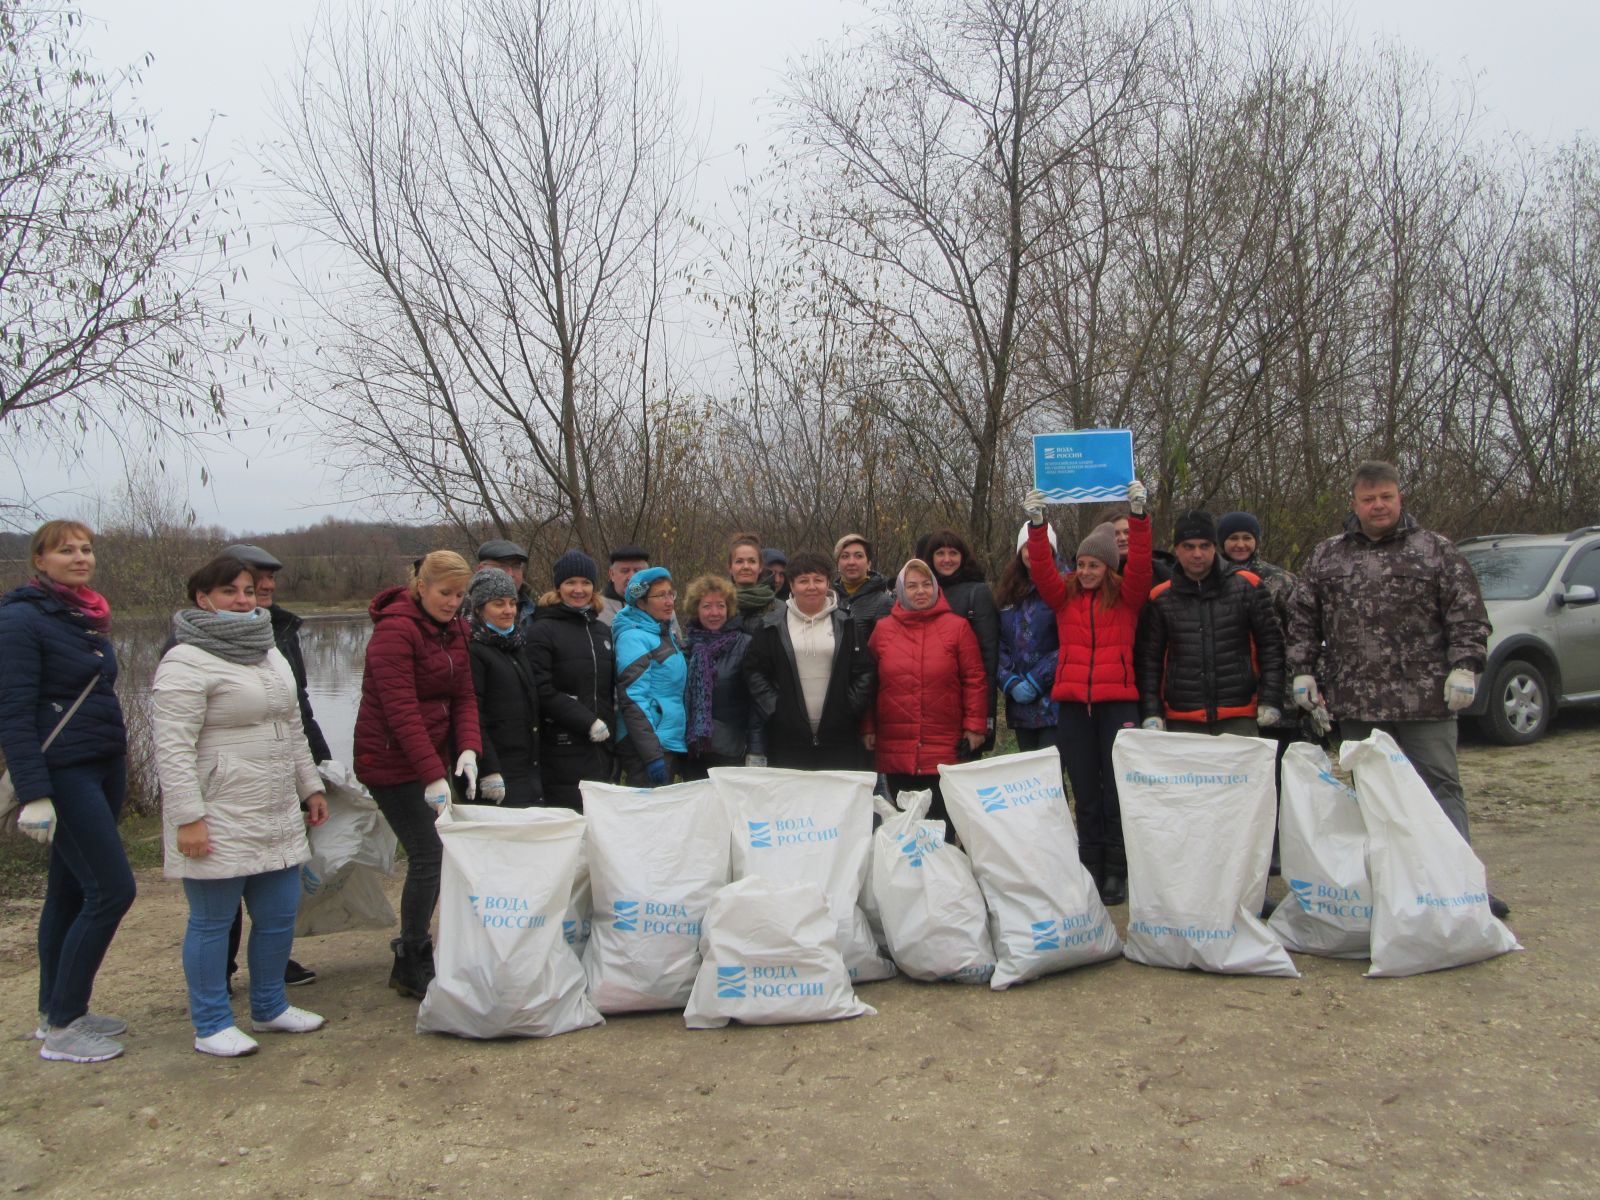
{"x":215,"y":64}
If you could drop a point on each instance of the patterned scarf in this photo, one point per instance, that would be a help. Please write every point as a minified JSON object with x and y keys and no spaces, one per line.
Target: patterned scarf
{"x":706,"y":649}
{"x":238,"y":639}
{"x":94,"y":608}
{"x":486,"y":634}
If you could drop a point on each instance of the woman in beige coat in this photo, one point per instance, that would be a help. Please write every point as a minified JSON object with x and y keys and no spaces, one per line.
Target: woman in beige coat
{"x":234,"y":769}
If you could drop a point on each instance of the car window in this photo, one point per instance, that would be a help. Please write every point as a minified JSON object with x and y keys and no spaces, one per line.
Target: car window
{"x":1587,"y":569}
{"x":1513,"y":572}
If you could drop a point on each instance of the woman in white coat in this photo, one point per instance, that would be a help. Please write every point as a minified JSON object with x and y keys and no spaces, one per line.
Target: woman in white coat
{"x":234,"y":769}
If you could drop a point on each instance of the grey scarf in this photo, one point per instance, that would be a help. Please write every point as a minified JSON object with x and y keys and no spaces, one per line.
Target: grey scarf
{"x":242,"y":640}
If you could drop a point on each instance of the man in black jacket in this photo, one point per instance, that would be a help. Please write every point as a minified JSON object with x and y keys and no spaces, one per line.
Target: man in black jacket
{"x":1209,"y":654}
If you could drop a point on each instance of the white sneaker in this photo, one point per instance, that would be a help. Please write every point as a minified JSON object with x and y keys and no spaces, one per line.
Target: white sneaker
{"x":290,"y":1020}
{"x":231,"y":1042}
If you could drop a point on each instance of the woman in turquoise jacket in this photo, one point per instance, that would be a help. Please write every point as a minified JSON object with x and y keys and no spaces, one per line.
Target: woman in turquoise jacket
{"x":651,"y":673}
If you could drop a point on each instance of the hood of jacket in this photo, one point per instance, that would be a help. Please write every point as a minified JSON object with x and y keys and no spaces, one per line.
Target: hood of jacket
{"x":907,"y":616}
{"x":781,"y":613}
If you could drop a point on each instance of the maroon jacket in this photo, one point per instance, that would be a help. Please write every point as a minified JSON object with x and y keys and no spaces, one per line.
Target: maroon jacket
{"x":932,"y":687}
{"x":417,"y":705}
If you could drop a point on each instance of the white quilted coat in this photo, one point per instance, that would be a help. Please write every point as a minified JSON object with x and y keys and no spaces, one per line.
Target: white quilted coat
{"x":230,"y":748}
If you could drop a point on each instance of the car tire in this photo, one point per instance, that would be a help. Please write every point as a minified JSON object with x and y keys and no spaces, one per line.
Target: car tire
{"x":1520,"y":704}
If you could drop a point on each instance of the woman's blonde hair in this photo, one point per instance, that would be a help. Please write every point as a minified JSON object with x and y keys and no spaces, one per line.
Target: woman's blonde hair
{"x":596,"y":601}
{"x":439,"y":566}
{"x":710,"y":585}
{"x":52,"y":534}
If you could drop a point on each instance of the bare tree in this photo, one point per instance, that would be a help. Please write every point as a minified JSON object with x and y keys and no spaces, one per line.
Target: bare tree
{"x":499,"y":183}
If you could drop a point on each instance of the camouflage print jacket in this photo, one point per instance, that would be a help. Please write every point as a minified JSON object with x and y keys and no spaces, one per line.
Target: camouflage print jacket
{"x":1381,"y":623}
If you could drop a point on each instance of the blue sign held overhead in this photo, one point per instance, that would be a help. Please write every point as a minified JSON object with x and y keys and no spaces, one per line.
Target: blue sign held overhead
{"x":1086,"y":466}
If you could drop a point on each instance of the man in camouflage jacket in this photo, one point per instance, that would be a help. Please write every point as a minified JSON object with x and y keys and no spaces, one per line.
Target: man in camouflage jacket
{"x":1388,"y":619}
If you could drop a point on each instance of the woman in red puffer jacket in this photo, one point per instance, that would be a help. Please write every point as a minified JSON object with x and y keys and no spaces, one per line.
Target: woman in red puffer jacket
{"x":418,"y":715}
{"x":933,"y":691}
{"x":1097,"y":616}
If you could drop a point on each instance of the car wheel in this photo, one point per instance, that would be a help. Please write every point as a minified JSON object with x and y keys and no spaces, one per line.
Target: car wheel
{"x":1519,"y":705}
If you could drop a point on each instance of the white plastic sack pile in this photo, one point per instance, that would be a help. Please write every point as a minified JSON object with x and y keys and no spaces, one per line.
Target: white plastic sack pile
{"x":1044,"y":912}
{"x":924,"y":891}
{"x":341,"y":884}
{"x":580,"y":912}
{"x":656,"y":857}
{"x":809,"y":826}
{"x":1197,"y":820}
{"x":1431,"y":896}
{"x":1322,"y":845}
{"x":770,"y":956}
{"x":504,"y":968}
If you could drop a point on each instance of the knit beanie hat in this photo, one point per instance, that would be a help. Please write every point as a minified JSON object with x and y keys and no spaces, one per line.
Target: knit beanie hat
{"x":771,"y":555}
{"x":1238,"y":522}
{"x":1022,"y":536}
{"x":639,"y":585}
{"x":491,"y":583}
{"x":1195,"y":525}
{"x":574,"y":564}
{"x":1102,"y":544}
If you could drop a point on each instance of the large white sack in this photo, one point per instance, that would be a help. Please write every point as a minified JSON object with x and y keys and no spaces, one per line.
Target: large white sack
{"x":341,"y":884}
{"x":656,"y":857}
{"x":1045,"y":914}
{"x":1197,"y":821}
{"x":770,"y":956}
{"x":926,"y":896}
{"x":1322,"y":846}
{"x":504,"y":968}
{"x":809,"y":826}
{"x":1430,"y":893}
{"x":580,"y":911}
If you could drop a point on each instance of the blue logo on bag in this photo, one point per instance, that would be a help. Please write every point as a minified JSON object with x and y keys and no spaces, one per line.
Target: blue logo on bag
{"x":1302,"y":892}
{"x":991,"y":799}
{"x":760,"y":835}
{"x":1045,"y":936}
{"x":627,"y":916}
{"x":730,"y":983}
{"x":921,"y":844}
{"x":1333,"y":780}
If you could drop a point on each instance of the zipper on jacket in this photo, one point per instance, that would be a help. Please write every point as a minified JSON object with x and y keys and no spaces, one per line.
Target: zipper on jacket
{"x":1088,"y":693}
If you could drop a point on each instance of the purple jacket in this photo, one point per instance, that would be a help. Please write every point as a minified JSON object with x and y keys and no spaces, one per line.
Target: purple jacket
{"x":1029,"y":645}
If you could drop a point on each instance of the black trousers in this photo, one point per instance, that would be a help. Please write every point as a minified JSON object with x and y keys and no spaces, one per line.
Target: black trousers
{"x":411,"y":817}
{"x":1084,"y":735}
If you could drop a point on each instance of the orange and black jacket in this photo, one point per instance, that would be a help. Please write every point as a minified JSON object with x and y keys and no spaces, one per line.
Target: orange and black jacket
{"x":1206,"y":651}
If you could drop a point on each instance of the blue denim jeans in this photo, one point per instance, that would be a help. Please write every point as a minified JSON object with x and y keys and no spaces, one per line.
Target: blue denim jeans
{"x":273,"y":899}
{"x":90,"y":885}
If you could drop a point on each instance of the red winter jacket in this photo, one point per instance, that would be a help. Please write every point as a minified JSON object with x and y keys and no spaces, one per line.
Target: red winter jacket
{"x":417,"y":705}
{"x":1096,"y":660}
{"x":931,"y":688}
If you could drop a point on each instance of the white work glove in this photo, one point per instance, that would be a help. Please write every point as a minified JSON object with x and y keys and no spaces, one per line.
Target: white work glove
{"x":1460,"y":686}
{"x":1320,"y":721}
{"x":437,"y":794}
{"x":755,"y":760}
{"x":1306,"y":695}
{"x":1155,"y":723}
{"x":1138,"y":494}
{"x":1033,"y":505}
{"x":1267,"y":715}
{"x":37,"y":819}
{"x":494,"y":788}
{"x":598,"y":731}
{"x":467,"y":765}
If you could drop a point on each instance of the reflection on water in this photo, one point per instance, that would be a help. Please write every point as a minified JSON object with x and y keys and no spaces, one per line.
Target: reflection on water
{"x":334,"y":647}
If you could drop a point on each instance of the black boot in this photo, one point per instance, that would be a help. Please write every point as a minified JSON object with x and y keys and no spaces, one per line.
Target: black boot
{"x":1115,"y":891}
{"x":413,"y":968}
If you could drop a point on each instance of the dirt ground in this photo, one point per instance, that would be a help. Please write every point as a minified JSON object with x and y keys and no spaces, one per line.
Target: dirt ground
{"x":1119,"y":1080}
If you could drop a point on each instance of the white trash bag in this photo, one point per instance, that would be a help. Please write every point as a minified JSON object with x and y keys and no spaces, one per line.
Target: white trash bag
{"x":770,"y":956}
{"x":504,"y":968}
{"x":1322,"y":846}
{"x":1431,"y":895}
{"x":341,"y":884}
{"x":816,"y":826}
{"x":1197,"y":821}
{"x":924,"y":890}
{"x":576,"y":924}
{"x":1044,"y":912}
{"x":656,"y":857}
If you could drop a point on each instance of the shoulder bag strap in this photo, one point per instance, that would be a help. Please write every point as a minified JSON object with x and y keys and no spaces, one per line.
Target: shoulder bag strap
{"x":67,"y":716}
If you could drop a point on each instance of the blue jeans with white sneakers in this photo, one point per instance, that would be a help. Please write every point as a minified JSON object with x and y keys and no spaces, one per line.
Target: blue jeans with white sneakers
{"x":273,"y":899}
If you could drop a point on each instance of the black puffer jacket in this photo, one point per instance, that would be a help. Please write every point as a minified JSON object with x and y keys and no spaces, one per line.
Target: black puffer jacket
{"x":1207,"y":650}
{"x":870,"y":604}
{"x":286,"y":633}
{"x":574,"y":670}
{"x":774,"y":683}
{"x":508,"y":716}
{"x":972,"y":599}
